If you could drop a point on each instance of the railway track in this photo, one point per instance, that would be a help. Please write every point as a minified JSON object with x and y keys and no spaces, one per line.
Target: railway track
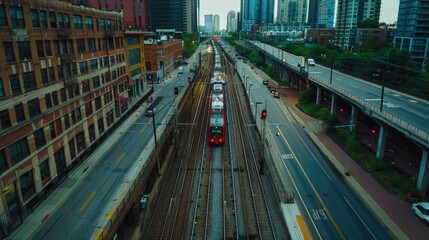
{"x":214,"y":192}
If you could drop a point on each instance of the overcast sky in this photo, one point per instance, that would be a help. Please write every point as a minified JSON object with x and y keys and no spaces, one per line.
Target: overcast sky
{"x":389,"y":10}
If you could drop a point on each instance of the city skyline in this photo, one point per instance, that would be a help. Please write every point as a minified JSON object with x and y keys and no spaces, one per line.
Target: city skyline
{"x":389,"y":10}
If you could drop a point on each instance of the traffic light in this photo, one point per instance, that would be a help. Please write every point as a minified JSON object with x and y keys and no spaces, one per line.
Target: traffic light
{"x":264,"y":114}
{"x":176,"y":91}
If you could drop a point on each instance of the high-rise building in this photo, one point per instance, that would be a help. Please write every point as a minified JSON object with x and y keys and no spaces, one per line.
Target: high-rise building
{"x":177,"y":15}
{"x":208,"y":24}
{"x":349,"y":14}
{"x":63,"y":84}
{"x":256,"y":12}
{"x":216,"y":23}
{"x":412,"y":33}
{"x":321,"y":13}
{"x":231,"y":21}
{"x":292,"y":12}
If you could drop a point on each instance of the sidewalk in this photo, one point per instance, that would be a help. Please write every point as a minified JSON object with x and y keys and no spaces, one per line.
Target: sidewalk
{"x":392,"y":210}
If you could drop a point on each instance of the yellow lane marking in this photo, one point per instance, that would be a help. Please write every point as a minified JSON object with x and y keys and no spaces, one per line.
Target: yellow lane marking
{"x":303,"y":227}
{"x":87,"y":202}
{"x":314,"y":188}
{"x":145,"y":126}
{"x":120,"y":158}
{"x":111,"y":212}
{"x":99,"y":234}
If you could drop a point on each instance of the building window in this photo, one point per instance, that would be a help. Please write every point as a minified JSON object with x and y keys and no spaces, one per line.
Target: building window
{"x":88,"y":109}
{"x":14,"y":84}
{"x":24,"y":51}
{"x":63,"y":93}
{"x":85,"y":86}
{"x":44,"y":74}
{"x":52,"y":19}
{"x":19,"y":150}
{"x":60,"y":72}
{"x":88,"y":22}
{"x":102,"y":24}
{"x":77,"y":20}
{"x":16,"y":17}
{"x":5,"y":119}
{"x":44,"y":171}
{"x":39,"y":138}
{"x":48,"y":48}
{"x":19,"y":112}
{"x":134,"y":56}
{"x":39,"y":46}
{"x":67,"y":20}
{"x":52,"y":131}
{"x":27,"y":185}
{"x":94,"y":64}
{"x":72,"y":148}
{"x":91,"y":44}
{"x":1,"y":88}
{"x":43,"y":21}
{"x":29,"y":81}
{"x":80,"y":141}
{"x":48,"y":100}
{"x":80,"y":45}
{"x":100,"y":124}
{"x":60,"y":17}
{"x":52,"y":74}
{"x":66,"y":121}
{"x":8,"y":50}
{"x":97,"y":101}
{"x":96,"y":82}
{"x":60,"y":162}
{"x":83,"y":67}
{"x":91,"y":132}
{"x":33,"y":107}
{"x":55,"y":98}
{"x":3,"y":21}
{"x":3,"y":161}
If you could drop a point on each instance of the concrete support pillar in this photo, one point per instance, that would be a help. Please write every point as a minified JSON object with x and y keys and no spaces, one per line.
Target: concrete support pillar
{"x":333,"y":103}
{"x":381,"y":144}
{"x":423,"y":179}
{"x":318,"y":95}
{"x":353,"y":120}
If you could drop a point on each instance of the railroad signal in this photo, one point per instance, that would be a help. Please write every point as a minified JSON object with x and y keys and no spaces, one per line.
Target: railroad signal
{"x":373,"y":131}
{"x":189,"y":80}
{"x":176,"y":91}
{"x":264,"y":114}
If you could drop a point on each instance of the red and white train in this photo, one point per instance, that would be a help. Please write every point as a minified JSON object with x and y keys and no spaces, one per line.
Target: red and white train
{"x":217,"y":117}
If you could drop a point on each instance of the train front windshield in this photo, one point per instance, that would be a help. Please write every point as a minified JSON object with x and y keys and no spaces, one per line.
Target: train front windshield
{"x":216,"y":132}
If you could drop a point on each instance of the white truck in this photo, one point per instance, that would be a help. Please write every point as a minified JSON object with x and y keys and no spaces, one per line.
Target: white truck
{"x":181,"y":69}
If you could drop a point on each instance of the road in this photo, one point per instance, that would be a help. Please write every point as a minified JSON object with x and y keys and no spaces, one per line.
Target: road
{"x":91,"y":204}
{"x":330,"y":207}
{"x":407,"y":109}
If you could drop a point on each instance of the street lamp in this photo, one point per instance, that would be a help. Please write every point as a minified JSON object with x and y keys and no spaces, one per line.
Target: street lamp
{"x":332,"y":66}
{"x":256,"y":112}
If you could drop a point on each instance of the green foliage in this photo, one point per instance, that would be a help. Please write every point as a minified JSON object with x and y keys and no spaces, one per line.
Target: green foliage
{"x":270,"y":71}
{"x":323,"y":114}
{"x":190,"y":44}
{"x":373,"y":44}
{"x":254,"y":57}
{"x":304,"y":96}
{"x":368,"y":23}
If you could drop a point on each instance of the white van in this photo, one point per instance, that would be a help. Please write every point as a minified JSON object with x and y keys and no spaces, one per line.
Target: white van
{"x":311,"y":62}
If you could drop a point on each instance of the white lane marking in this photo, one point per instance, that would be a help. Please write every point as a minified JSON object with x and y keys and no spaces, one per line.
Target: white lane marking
{"x":413,"y":101}
{"x":363,"y":222}
{"x":372,"y":99}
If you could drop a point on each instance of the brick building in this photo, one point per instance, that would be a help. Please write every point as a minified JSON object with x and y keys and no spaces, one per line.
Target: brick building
{"x":63,"y":83}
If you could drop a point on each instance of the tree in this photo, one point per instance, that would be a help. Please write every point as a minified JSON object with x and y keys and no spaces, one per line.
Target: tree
{"x":368,"y":23}
{"x":254,"y":57}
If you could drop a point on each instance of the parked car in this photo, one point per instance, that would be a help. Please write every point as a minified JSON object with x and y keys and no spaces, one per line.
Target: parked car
{"x":276,"y":94}
{"x":265,"y":82}
{"x":311,"y":62}
{"x":272,"y":90}
{"x":421,"y":209}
